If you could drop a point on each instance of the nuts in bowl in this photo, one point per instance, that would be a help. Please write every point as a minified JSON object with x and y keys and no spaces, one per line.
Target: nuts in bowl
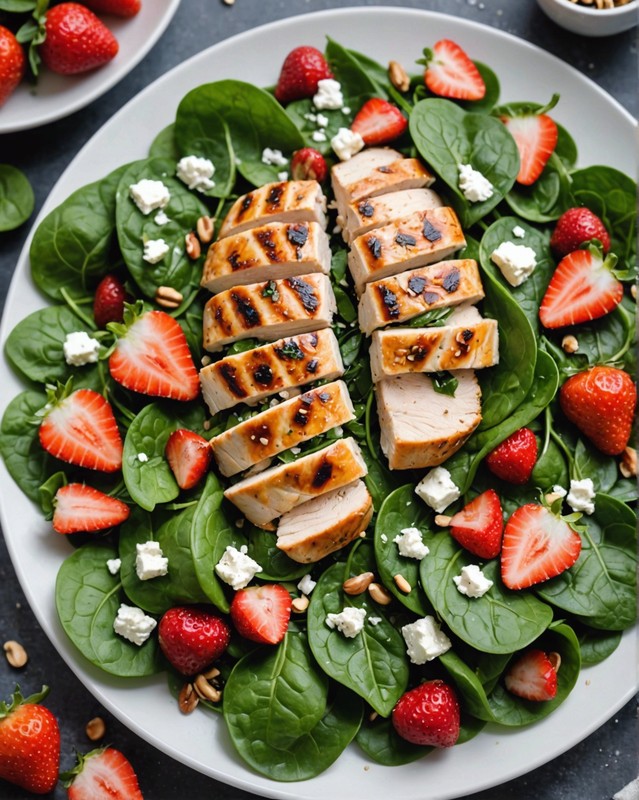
{"x":592,"y":17}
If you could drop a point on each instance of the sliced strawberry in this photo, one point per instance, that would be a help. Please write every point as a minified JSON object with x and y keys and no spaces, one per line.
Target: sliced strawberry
{"x":451,"y":73}
{"x":189,"y":456}
{"x":575,"y":227}
{"x":532,"y":676}
{"x":152,"y":356}
{"x":261,"y":613}
{"x":308,"y":164}
{"x":537,"y":546}
{"x":536,"y":138}
{"x":301,"y":71}
{"x":80,"y":428}
{"x":479,"y":526}
{"x":103,"y":774}
{"x":81,"y":508}
{"x":582,"y":288}
{"x":513,"y":460}
{"x":379,"y":122}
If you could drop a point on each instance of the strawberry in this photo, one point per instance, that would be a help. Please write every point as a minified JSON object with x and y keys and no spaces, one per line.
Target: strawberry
{"x":536,"y":138}
{"x":152,"y":355}
{"x":514,"y":459}
{"x":451,"y":73}
{"x":192,"y":638}
{"x":583,"y":287}
{"x":108,"y":302}
{"x":189,"y":456}
{"x":301,"y":71}
{"x":308,"y":164}
{"x":12,"y":63}
{"x":479,"y":525}
{"x":379,"y":122}
{"x":575,"y":227}
{"x":80,"y":428}
{"x":261,"y":613}
{"x":76,"y":40}
{"x":103,"y":774}
{"x":537,"y":546}
{"x":532,"y":676}
{"x":119,"y":8}
{"x":79,"y":508}
{"x":428,"y":715}
{"x":29,"y":743}
{"x":601,"y":402}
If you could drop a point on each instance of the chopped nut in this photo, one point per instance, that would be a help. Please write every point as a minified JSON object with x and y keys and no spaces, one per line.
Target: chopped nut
{"x":628,"y":463}
{"x":95,"y":729}
{"x":569,"y":344}
{"x":358,"y":583}
{"x":552,"y":496}
{"x":300,"y":604}
{"x":205,"y":691}
{"x":187,"y":699}
{"x":193,"y":246}
{"x":204,"y":228}
{"x":379,"y":594}
{"x":373,"y":716}
{"x":402,"y":584}
{"x":633,"y":291}
{"x":442,"y":520}
{"x":398,"y":76}
{"x":211,"y":673}
{"x":555,"y":660}
{"x":16,"y":654}
{"x":228,"y":2}
{"x":168,"y":297}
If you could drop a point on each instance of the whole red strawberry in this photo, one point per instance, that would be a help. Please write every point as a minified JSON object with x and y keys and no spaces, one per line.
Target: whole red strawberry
{"x":101,"y":774}
{"x":12,"y":63}
{"x":514,"y":459}
{"x":308,"y":164}
{"x":108,"y":303}
{"x":120,"y":8}
{"x":601,"y":402}
{"x":29,"y":743}
{"x":428,"y":715}
{"x":192,"y":638}
{"x":576,"y":226}
{"x":76,"y":40}
{"x":301,"y":71}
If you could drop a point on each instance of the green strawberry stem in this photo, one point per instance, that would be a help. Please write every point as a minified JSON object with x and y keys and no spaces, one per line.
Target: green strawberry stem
{"x":17,"y":700}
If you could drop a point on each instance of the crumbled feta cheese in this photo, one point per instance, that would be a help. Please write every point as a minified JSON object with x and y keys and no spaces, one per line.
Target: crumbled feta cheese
{"x":79,"y":349}
{"x":296,"y":450}
{"x":273,"y":158}
{"x":329,"y":94}
{"x":348,"y":622}
{"x":559,"y":490}
{"x":282,"y":176}
{"x":346,"y":110}
{"x":472,"y":582}
{"x":516,"y":261}
{"x":155,"y":250}
{"x":410,"y":544}
{"x":474,"y":186}
{"x":374,"y":620}
{"x":113,"y":565}
{"x":143,"y":458}
{"x":306,"y":585}
{"x":237,"y":568}
{"x":196,"y":172}
{"x":437,"y":489}
{"x":150,"y":562}
{"x":149,"y":195}
{"x":425,"y":640}
{"x":346,"y":143}
{"x":311,"y":117}
{"x":581,"y":495}
{"x":384,"y":538}
{"x":322,"y":120}
{"x":161,"y":218}
{"x":519,"y":232}
{"x":133,"y":624}
{"x":318,"y":136}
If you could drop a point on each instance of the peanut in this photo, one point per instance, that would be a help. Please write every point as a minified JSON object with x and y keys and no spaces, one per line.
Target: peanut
{"x":16,"y":654}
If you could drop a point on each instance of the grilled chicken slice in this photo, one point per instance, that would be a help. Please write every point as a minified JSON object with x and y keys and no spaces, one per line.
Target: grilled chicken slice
{"x":285,"y":425}
{"x":287,"y":201}
{"x":284,"y":364}
{"x":404,"y":296}
{"x":372,"y":212}
{"x":268,"y":310}
{"x":326,"y":524}
{"x":266,"y":496}
{"x":421,"y":427}
{"x":270,"y":252}
{"x":423,"y":237}
{"x":466,"y":342}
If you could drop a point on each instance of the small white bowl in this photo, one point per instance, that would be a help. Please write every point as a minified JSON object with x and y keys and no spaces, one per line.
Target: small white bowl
{"x":590,"y":20}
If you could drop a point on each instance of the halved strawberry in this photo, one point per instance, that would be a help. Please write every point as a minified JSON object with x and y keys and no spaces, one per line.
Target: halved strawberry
{"x":479,"y":525}
{"x":582,"y":288}
{"x":513,"y":460}
{"x":308,"y":164}
{"x":80,"y":508}
{"x":152,"y":355}
{"x":537,"y":546}
{"x":532,"y":676}
{"x":301,"y":71}
{"x":261,"y":613}
{"x":80,"y":428}
{"x":536,"y":138}
{"x":451,"y":73}
{"x":103,"y":773}
{"x":379,"y":122}
{"x":189,"y":456}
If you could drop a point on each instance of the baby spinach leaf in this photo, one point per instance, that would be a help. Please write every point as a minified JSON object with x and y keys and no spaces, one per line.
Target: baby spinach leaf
{"x":16,"y":198}
{"x":493,"y":89}
{"x":551,"y":468}
{"x":382,"y":744}
{"x":591,"y":463}
{"x":164,"y":146}
{"x":595,"y":645}
{"x":277,"y":565}
{"x":354,"y":79}
{"x":468,"y":685}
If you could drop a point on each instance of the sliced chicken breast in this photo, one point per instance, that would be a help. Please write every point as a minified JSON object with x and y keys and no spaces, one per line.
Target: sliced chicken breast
{"x":372,"y":212}
{"x":404,"y":296}
{"x":287,"y":201}
{"x":270,"y":252}
{"x":284,"y":364}
{"x":268,"y":310}
{"x":423,"y":237}
{"x":266,"y":496}
{"x":421,"y":427}
{"x":285,"y":425}
{"x":326,"y":524}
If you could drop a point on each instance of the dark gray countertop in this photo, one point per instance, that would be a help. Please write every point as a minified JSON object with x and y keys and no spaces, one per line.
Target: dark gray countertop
{"x":593,"y":770}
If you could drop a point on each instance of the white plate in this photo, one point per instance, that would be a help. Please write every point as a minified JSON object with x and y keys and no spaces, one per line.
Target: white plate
{"x":199,"y":741}
{"x":57,"y":96}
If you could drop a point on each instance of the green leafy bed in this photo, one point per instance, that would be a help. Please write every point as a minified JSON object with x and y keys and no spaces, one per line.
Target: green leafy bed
{"x":290,"y":710}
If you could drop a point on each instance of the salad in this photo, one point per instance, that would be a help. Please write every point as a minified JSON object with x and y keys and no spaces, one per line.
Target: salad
{"x":346,"y":687}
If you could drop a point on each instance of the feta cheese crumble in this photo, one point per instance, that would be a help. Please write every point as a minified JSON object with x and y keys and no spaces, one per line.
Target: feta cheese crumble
{"x":133,"y":624}
{"x":273,"y":158}
{"x":409,"y":543}
{"x":516,"y":261}
{"x":425,"y":640}
{"x":150,"y":562}
{"x":143,"y":458}
{"x":79,"y":349}
{"x":329,"y":95}
{"x":306,"y":585}
{"x":581,"y":495}
{"x":161,"y":218}
{"x":437,"y":489}
{"x":348,"y":622}
{"x":322,"y":120}
{"x":113,"y":565}
{"x":149,"y":195}
{"x":237,"y":568}
{"x":346,"y":143}
{"x":519,"y":232}
{"x":318,"y":136}
{"x":474,"y":186}
{"x":196,"y":173}
{"x":472,"y":582}
{"x":155,"y":250}
{"x":282,"y":176}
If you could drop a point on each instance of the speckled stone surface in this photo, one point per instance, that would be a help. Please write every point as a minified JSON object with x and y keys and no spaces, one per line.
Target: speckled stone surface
{"x":593,"y":770}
